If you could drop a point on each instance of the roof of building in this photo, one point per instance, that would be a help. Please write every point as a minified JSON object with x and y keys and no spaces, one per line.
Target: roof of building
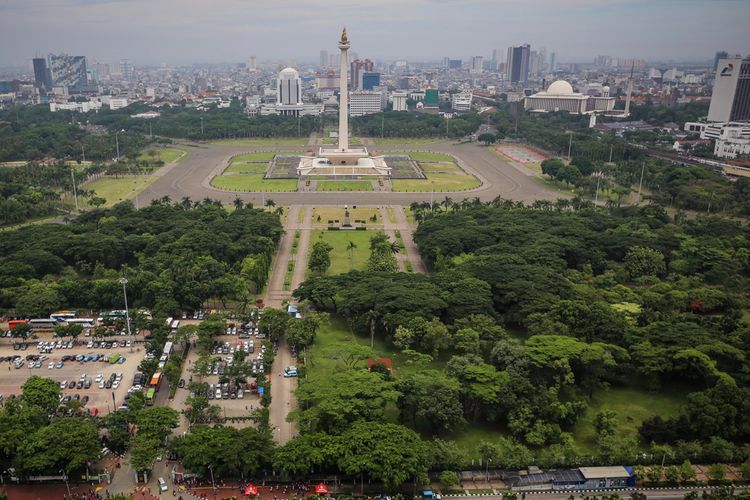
{"x":288,"y":74}
{"x":560,"y":87}
{"x":604,"y":472}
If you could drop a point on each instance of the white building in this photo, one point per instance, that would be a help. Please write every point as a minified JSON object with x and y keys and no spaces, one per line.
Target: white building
{"x":559,"y":96}
{"x":80,"y":107}
{"x":364,"y":103}
{"x":461,"y":101}
{"x":477,"y":64}
{"x":730,"y":100}
{"x":289,"y":97}
{"x":731,"y":139}
{"x":399,"y":101}
{"x":117,"y":103}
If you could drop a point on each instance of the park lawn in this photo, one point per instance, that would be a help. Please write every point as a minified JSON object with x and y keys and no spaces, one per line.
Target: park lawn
{"x":120,"y":189}
{"x":443,"y":182}
{"x":403,"y":141}
{"x":264,"y":141}
{"x":391,"y":215}
{"x":423,"y":155}
{"x":340,"y":260}
{"x":632,"y":406}
{"x":439,"y":167}
{"x":471,"y":436}
{"x":409,"y":215}
{"x":254,"y":168}
{"x":167,"y":155}
{"x":344,"y":186}
{"x":337,"y":213}
{"x":253,"y":183}
{"x":262,"y":156}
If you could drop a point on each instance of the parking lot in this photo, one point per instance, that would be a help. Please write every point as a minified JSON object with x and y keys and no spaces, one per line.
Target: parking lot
{"x":79,"y":363}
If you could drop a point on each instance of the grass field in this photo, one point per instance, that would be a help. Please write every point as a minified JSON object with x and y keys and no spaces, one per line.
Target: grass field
{"x":632,"y":407}
{"x":402,"y":141}
{"x":341,"y":261}
{"x":337,"y":213}
{"x":391,"y":215}
{"x":253,"y":183}
{"x":265,"y":156}
{"x":116,"y":190}
{"x":344,"y":186}
{"x":167,"y":155}
{"x":274,"y":141}
{"x":443,"y":182}
{"x":255,"y":168}
{"x":423,"y":156}
{"x":439,"y":167}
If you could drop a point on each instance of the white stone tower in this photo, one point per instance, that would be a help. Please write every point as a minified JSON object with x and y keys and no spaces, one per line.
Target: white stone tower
{"x":344,"y":93}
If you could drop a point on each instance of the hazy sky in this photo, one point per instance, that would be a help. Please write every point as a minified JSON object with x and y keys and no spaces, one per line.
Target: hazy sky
{"x":185,"y":31}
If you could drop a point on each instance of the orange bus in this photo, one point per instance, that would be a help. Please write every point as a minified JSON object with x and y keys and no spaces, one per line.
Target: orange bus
{"x":155,"y":381}
{"x":15,"y":322}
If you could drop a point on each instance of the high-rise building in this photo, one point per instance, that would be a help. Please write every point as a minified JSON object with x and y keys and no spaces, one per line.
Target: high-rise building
{"x":289,"y":87}
{"x":461,"y":101}
{"x":102,"y":70}
{"x":126,"y":70}
{"x":722,"y":54}
{"x":251,"y":64}
{"x":517,"y":70}
{"x":41,"y":74}
{"x":357,"y":67}
{"x":323,"y":59}
{"x":369,"y":79}
{"x":455,"y":63}
{"x":399,"y":101}
{"x":552,"y":62}
{"x":67,"y":71}
{"x":477,"y":64}
{"x":332,"y":61}
{"x":730,"y":100}
{"x":497,"y":58}
{"x":364,"y":103}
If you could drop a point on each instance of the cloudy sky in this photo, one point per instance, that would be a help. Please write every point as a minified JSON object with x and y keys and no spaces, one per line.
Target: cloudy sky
{"x":185,"y":31}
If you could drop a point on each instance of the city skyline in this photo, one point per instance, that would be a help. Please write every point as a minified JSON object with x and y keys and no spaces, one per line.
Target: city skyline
{"x":233,"y":30}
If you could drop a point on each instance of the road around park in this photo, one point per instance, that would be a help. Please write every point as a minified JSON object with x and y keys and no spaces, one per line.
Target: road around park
{"x":192,"y":178}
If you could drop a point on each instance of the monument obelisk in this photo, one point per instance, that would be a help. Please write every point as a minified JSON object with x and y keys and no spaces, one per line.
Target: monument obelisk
{"x":344,"y":93}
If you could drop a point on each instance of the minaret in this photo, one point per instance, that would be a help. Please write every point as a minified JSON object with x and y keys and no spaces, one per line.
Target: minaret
{"x":344,"y":93}
{"x":630,"y":92}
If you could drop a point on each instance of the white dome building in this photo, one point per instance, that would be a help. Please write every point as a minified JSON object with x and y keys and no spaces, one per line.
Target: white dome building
{"x":289,"y":97}
{"x":560,"y":96}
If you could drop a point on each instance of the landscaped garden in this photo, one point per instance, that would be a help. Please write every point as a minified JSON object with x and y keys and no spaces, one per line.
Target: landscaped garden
{"x":343,"y":186}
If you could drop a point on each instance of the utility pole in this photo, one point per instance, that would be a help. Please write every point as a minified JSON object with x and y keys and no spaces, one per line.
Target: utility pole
{"x":201,"y":127}
{"x":124,"y":281}
{"x":570,"y":143}
{"x":117,"y":146}
{"x":83,"y":154}
{"x":299,"y":117}
{"x":610,"y":152}
{"x":596,"y":198}
{"x":213,"y":484}
{"x":640,"y":184}
{"x":75,"y":193}
{"x":382,"y":124}
{"x":432,"y":197}
{"x":150,"y":131}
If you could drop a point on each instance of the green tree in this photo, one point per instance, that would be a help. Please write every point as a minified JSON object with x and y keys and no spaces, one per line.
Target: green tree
{"x":320,"y":257}
{"x":274,"y":323}
{"x":449,"y":478}
{"x":41,"y":392}
{"x":687,"y":473}
{"x":466,"y":341}
{"x":430,"y":401}
{"x":717,"y":472}
{"x":306,"y":453}
{"x":643,"y":261}
{"x":66,"y":444}
{"x":487,"y":138}
{"x":605,"y":423}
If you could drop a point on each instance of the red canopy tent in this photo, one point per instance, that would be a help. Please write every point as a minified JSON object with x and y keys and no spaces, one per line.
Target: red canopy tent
{"x":251,"y":490}
{"x":321,"y":489}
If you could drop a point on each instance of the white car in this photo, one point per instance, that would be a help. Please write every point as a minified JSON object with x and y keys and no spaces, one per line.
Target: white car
{"x":64,"y":384}
{"x":51,"y":365}
{"x":101,"y":384}
{"x":162,"y":485}
{"x":90,"y":344}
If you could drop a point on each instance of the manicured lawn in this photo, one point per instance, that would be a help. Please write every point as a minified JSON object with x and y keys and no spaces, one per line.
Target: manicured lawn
{"x":274,"y":141}
{"x":341,"y":262}
{"x":116,"y":190}
{"x":337,"y":213}
{"x":403,"y":141}
{"x":344,"y":186}
{"x":632,"y":407}
{"x":167,"y":155}
{"x":255,"y":168}
{"x":439,"y":167}
{"x":265,"y":156}
{"x":391,"y":215}
{"x":409,"y":215}
{"x":253,"y":183}
{"x":423,"y":156}
{"x":443,"y":182}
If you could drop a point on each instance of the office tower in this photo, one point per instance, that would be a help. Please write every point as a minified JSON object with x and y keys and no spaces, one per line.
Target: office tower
{"x":477,"y":64}
{"x":730,"y":100}
{"x":497,"y":58}
{"x":455,"y":63}
{"x":102,"y":70}
{"x":399,"y":101}
{"x":369,"y":80}
{"x":251,"y":64}
{"x":552,"y":61}
{"x":332,"y":61}
{"x":323,"y":59}
{"x":518,"y":63}
{"x":722,"y":54}
{"x":126,"y":70}
{"x":67,"y":71}
{"x":41,"y":75}
{"x":358,"y":67}
{"x":289,"y":87}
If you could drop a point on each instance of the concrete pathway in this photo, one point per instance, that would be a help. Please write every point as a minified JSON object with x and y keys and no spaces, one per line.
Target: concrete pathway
{"x":402,"y":224}
{"x":390,"y":230}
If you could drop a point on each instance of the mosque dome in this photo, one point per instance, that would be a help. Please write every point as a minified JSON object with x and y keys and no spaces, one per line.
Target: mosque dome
{"x":560,"y":87}
{"x":288,"y":74}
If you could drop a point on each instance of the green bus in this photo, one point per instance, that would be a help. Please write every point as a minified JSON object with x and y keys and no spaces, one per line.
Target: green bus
{"x":150,"y":395}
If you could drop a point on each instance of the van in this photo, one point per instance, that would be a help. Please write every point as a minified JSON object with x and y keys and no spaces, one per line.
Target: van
{"x":162,"y":485}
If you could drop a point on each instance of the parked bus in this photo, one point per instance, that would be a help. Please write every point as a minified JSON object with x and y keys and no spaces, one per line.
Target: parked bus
{"x":15,"y":322}
{"x":168,"y":348}
{"x":44,"y":324}
{"x":63,"y":315}
{"x":175,"y":324}
{"x":84,"y":322}
{"x":155,"y":381}
{"x":150,"y":396}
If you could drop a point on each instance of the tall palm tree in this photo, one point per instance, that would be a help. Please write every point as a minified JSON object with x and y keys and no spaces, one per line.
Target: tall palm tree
{"x":350,"y":248}
{"x":186,"y":203}
{"x":238,"y":203}
{"x":446,"y":203}
{"x":270,"y":203}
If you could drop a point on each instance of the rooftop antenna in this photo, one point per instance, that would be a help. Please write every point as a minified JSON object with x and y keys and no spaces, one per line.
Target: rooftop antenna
{"x":630,"y":92}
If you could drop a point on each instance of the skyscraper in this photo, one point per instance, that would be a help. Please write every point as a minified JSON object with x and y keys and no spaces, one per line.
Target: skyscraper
{"x":730,"y":100}
{"x":497,"y":58}
{"x":41,"y":75}
{"x":67,"y":71}
{"x":126,"y":70}
{"x":358,"y":67}
{"x":518,"y":63}
{"x":369,"y":80}
{"x":323,"y":59}
{"x":552,"y":61}
{"x":251,"y":64}
{"x":477,"y":64}
{"x":289,"y":87}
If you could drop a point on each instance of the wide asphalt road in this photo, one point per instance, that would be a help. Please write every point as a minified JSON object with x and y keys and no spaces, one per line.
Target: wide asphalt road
{"x":191,"y":177}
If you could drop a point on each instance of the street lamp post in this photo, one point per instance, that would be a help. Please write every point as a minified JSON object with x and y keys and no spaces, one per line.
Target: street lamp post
{"x":65,"y":477}
{"x":75,"y":193}
{"x":124,"y":281}
{"x":570,"y":143}
{"x":117,"y":143}
{"x":213,"y":484}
